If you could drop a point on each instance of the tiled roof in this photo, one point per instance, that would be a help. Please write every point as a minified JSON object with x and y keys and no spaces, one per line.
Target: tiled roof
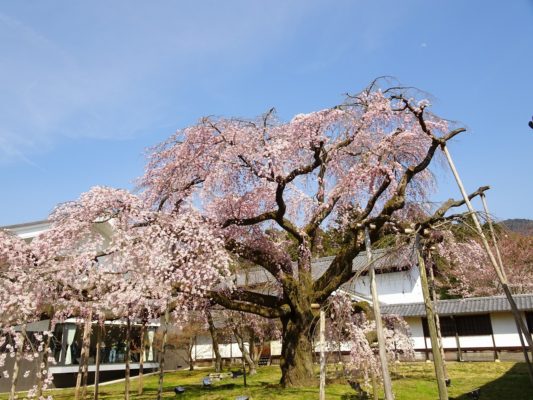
{"x":474,"y":305}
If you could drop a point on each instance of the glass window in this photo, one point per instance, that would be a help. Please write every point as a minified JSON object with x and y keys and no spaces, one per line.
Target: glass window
{"x":529,"y":319}
{"x":473,"y":325}
{"x":466,"y":325}
{"x":447,"y":326}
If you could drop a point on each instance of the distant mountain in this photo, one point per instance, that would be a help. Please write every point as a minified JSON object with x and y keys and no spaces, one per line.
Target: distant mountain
{"x":524,"y":226}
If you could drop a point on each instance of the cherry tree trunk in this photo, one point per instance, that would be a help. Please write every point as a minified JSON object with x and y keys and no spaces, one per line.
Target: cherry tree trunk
{"x":256,"y":348}
{"x":85,"y":375}
{"x":190,"y":348}
{"x":296,"y":352}
{"x":45,"y":362}
{"x":245,"y":353}
{"x":16,"y":367}
{"x":214,"y":341}
{"x":84,"y":354}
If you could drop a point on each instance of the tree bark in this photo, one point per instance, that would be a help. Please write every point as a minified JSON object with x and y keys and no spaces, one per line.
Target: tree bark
{"x":46,"y":350}
{"x":296,"y":353}
{"x":84,"y":354}
{"x":190,"y":348}
{"x":85,"y":375}
{"x":16,"y":367}
{"x":245,"y":353}
{"x":214,"y":341}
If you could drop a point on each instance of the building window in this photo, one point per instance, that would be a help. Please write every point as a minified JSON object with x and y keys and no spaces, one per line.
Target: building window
{"x":447,"y":326}
{"x":465,"y":325}
{"x":473,"y":325}
{"x":529,"y":319}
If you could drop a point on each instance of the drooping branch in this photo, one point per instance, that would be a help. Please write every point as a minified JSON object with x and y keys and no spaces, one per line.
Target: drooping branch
{"x":254,"y":169}
{"x":340,"y":270}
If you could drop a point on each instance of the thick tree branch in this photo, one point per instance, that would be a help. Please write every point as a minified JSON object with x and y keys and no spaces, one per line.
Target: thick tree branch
{"x":270,"y":215}
{"x":439,"y":215}
{"x":375,"y":197}
{"x":321,"y":214}
{"x":279,"y":265}
{"x":339,"y":272}
{"x":305,"y":169}
{"x":254,"y":308}
{"x":261,"y":299}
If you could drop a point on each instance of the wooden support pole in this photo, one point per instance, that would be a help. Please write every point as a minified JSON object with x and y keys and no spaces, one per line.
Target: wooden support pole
{"x":322,"y":393}
{"x":501,"y":276}
{"x":437,"y":320}
{"x":500,"y":262}
{"x":457,"y":340}
{"x":162,"y":355}
{"x":140,"y":387}
{"x":375,"y":385}
{"x":127,"y":359}
{"x":430,"y":314}
{"x":387,"y":384}
{"x":99,"y":332}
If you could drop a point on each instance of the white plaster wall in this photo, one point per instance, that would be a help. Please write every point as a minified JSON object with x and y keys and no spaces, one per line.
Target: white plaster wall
{"x":475,"y":341}
{"x":394,"y":287}
{"x":449,"y":342}
{"x":275,"y":348}
{"x":225,"y":350}
{"x":204,"y":349}
{"x":417,"y":333}
{"x":504,"y":328}
{"x":29,"y":231}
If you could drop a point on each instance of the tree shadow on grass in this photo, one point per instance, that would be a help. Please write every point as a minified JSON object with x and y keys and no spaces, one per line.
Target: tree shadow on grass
{"x":513,"y":385}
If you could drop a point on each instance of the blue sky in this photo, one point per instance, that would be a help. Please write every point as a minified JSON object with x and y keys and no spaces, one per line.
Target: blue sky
{"x":87,"y":86}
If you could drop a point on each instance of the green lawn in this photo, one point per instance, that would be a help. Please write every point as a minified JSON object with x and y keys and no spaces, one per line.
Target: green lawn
{"x":498,"y":381}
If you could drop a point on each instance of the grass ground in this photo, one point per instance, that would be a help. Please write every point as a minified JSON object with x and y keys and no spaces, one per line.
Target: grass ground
{"x":498,"y":381}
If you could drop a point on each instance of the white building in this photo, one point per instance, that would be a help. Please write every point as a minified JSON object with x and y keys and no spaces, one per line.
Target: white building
{"x":478,"y":328}
{"x":481,"y":328}
{"x":473,"y":329}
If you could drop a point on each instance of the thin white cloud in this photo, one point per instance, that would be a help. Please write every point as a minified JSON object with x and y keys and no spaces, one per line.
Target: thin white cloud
{"x":97,"y":75}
